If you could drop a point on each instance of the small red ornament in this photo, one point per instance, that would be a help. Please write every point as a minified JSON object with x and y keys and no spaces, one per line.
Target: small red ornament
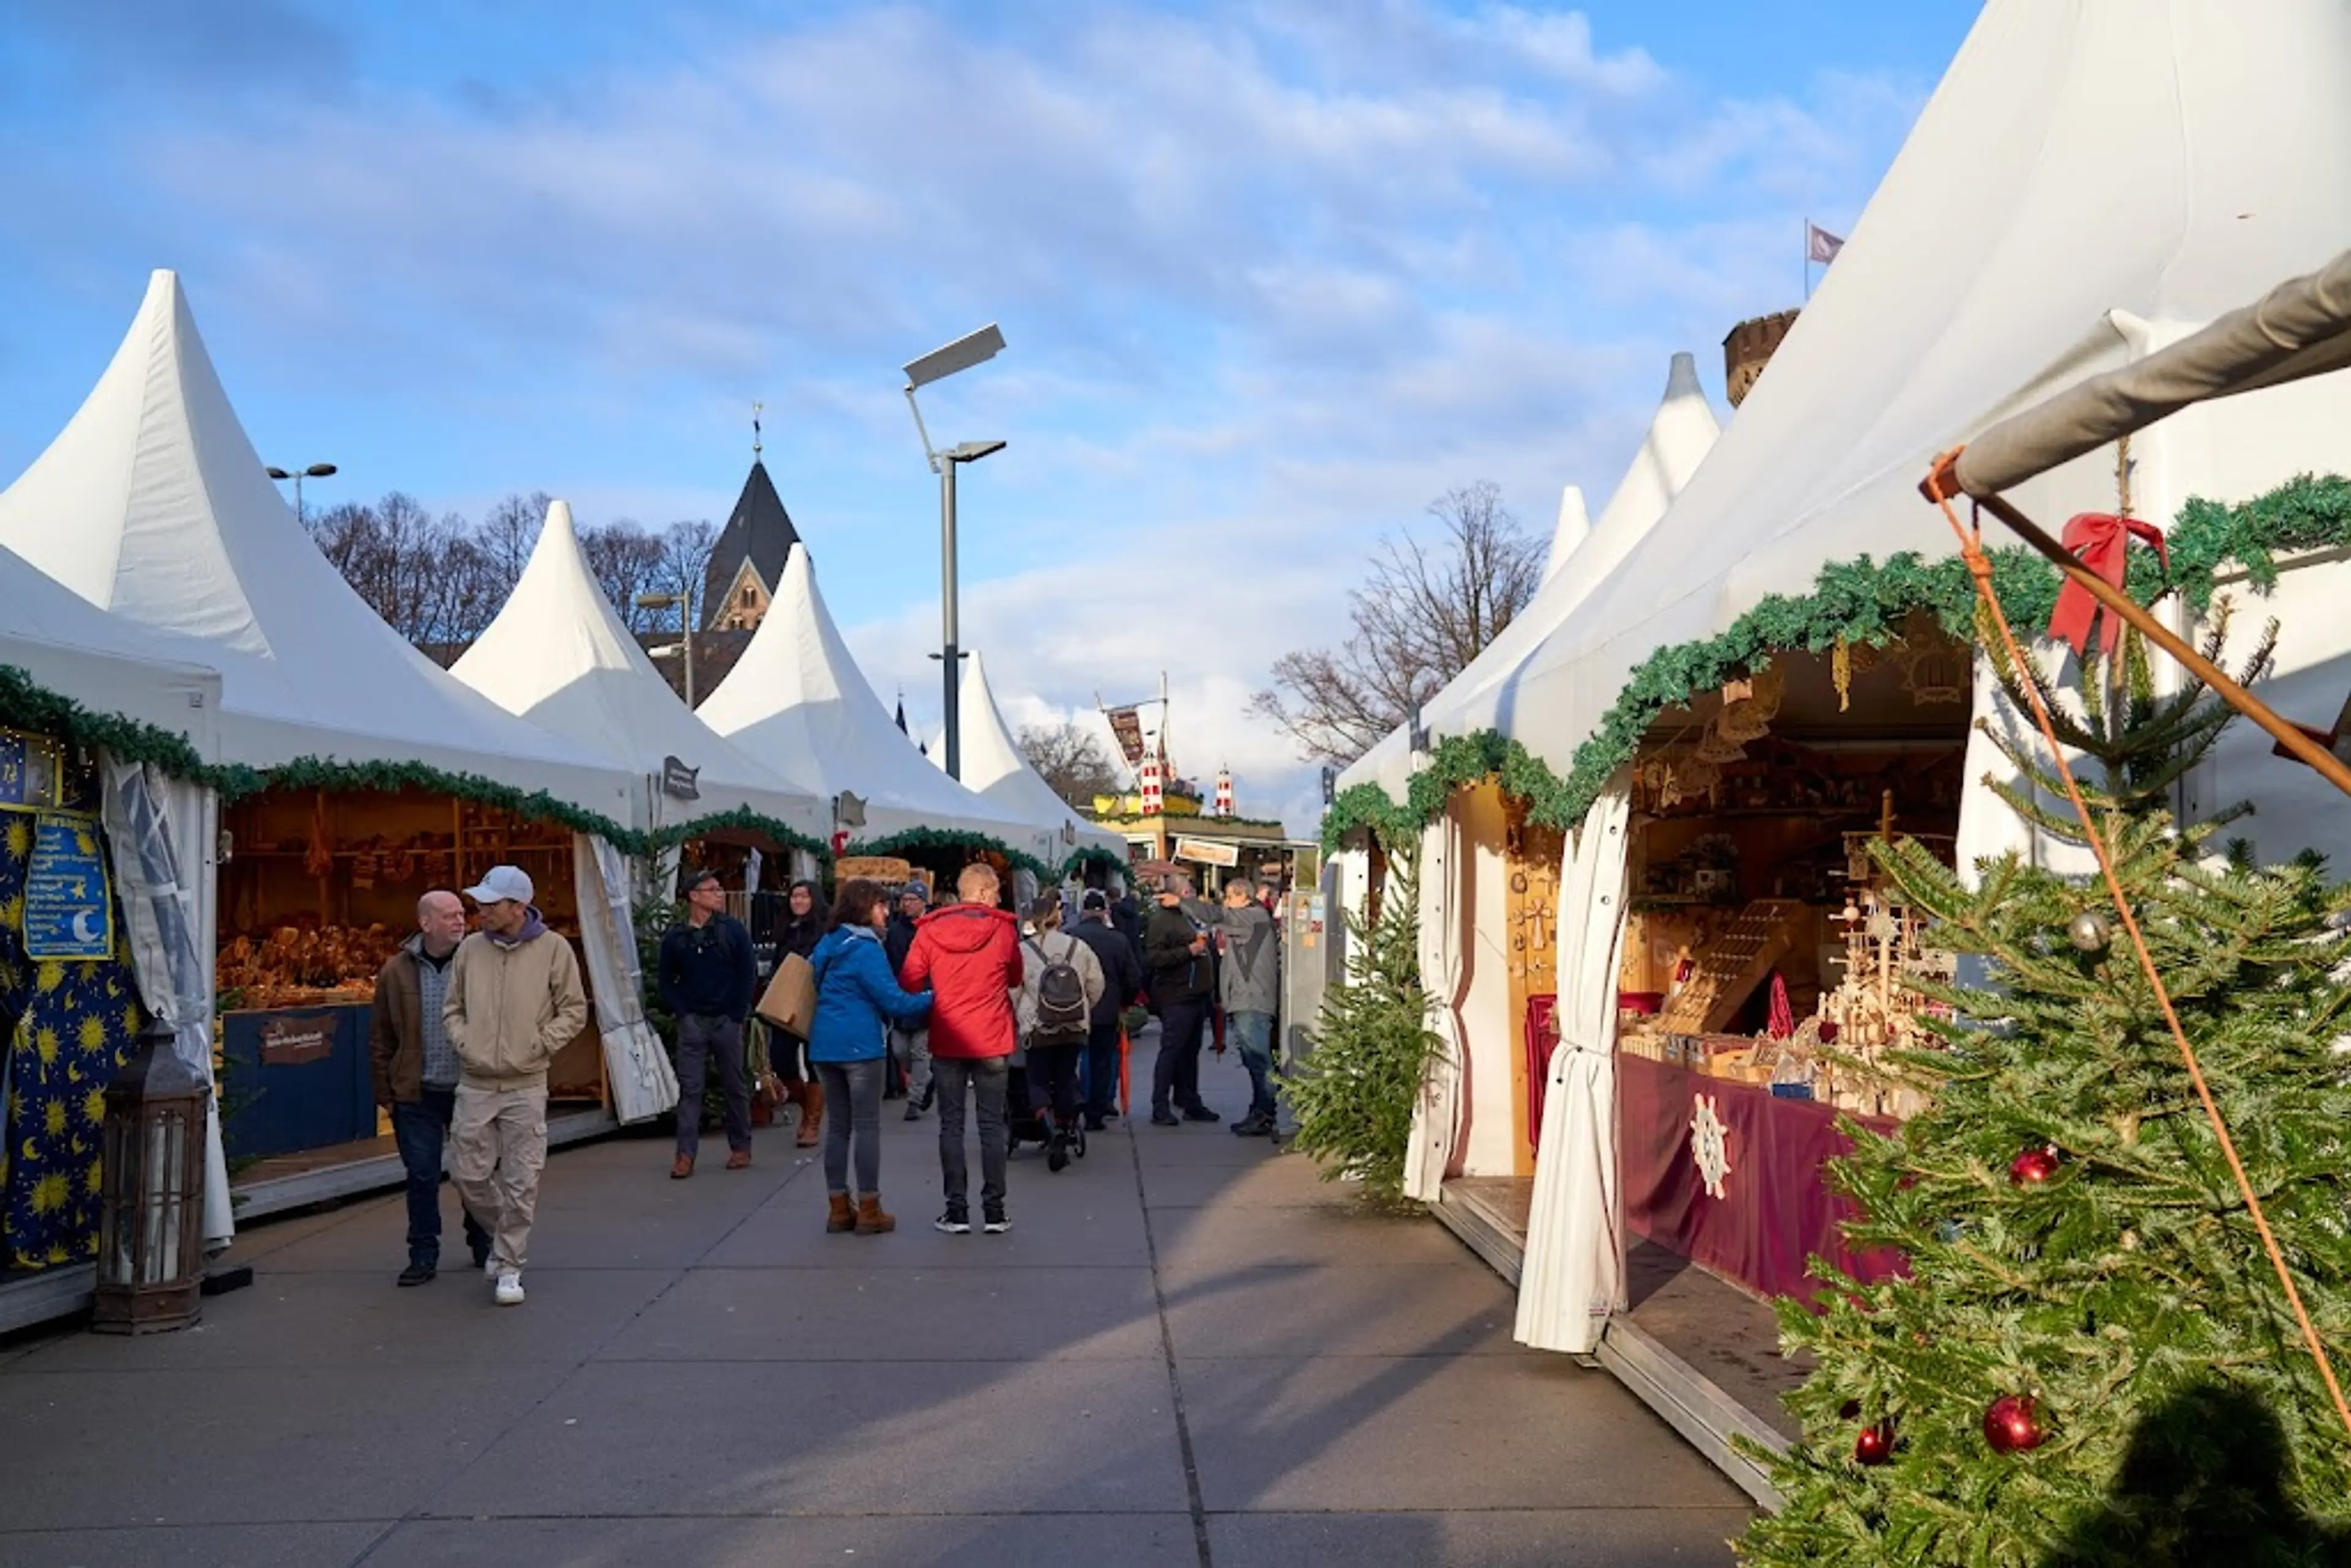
{"x":1874,"y":1446}
{"x":2033,"y":1167}
{"x":2012,"y":1424}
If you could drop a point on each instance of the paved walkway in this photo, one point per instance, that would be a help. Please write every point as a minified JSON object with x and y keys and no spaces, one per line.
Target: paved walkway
{"x":1188,"y":1352}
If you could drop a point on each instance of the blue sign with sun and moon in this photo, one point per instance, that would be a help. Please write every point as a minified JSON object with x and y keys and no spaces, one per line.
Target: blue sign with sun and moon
{"x":69,"y":913}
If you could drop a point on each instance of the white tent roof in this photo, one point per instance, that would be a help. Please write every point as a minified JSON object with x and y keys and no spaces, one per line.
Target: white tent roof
{"x":2092,"y":179}
{"x":796,"y":702}
{"x":1680,"y":435}
{"x":1567,"y":535}
{"x":151,"y":503}
{"x":993,"y":765}
{"x":559,"y":656}
{"x":106,"y":664}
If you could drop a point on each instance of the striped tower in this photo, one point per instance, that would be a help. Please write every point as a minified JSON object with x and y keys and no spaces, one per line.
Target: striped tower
{"x":1152,"y":802}
{"x":1223,"y":793}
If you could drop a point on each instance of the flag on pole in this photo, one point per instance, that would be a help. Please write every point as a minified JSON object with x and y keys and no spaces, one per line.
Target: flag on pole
{"x":1820,"y":245}
{"x":1127,"y":727}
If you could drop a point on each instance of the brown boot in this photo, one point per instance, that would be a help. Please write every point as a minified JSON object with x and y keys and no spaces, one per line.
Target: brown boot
{"x":811,"y":1115}
{"x":840,"y":1217}
{"x":681,"y":1167}
{"x":870,"y":1220}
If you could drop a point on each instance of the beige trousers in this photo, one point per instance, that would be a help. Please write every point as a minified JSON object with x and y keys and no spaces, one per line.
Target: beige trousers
{"x":498,"y":1146}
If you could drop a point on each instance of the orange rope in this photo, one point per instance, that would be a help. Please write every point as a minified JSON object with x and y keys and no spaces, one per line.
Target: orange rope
{"x":1979,"y":567}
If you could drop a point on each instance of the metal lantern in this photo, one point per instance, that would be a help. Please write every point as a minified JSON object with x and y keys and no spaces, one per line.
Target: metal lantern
{"x":151,"y":1224}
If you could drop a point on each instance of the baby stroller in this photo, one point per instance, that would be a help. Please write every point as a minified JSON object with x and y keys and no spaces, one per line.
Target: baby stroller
{"x":1026,"y":1122}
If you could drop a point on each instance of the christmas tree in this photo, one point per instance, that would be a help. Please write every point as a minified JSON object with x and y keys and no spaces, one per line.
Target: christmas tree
{"x":2091,"y":1359}
{"x":1353,"y":1093}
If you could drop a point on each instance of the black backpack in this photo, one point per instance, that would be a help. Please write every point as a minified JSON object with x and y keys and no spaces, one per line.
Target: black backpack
{"x":1063,"y":1017}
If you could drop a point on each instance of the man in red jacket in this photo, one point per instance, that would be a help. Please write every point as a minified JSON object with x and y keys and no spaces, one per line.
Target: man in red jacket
{"x":969,"y":956}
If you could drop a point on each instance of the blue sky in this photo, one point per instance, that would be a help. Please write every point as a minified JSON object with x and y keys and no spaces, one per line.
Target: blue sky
{"x":1274,"y":274}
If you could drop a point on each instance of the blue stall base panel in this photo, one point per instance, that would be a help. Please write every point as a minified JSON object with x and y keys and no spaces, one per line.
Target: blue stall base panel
{"x":296,"y":1078}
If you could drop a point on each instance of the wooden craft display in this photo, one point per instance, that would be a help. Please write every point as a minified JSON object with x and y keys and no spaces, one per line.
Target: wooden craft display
{"x":1732,"y":966}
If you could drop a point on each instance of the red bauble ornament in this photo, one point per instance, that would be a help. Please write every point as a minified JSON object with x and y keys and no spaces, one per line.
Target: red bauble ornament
{"x":2033,"y":1167}
{"x":2012,"y":1424}
{"x":1874,"y":1446}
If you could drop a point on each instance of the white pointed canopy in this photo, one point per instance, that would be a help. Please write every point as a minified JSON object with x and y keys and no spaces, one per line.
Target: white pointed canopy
{"x":1680,"y":434}
{"x":153,"y":504}
{"x":559,"y":656}
{"x":110,"y":666}
{"x":2092,"y":180}
{"x":993,"y":764}
{"x":796,"y":702}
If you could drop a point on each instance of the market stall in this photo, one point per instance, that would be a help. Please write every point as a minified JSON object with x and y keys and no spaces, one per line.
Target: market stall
{"x":364,"y":774}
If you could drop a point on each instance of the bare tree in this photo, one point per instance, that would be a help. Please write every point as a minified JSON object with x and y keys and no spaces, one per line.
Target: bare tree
{"x":1070,"y":760}
{"x":508,"y":533}
{"x":626,"y":561}
{"x":686,"y":552}
{"x":1421,"y":615}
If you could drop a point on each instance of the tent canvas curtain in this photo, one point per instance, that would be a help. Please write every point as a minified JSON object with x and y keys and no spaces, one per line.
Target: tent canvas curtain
{"x":643,"y":1082}
{"x":157,"y":835}
{"x":1437,"y":1114}
{"x":1573,"y":1275}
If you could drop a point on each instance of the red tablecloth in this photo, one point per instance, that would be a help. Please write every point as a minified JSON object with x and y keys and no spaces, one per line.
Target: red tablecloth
{"x":1773,"y":1211}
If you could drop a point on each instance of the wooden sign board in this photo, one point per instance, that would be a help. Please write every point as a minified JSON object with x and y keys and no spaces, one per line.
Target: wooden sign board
{"x":296,"y":1039}
{"x":1202,"y":852}
{"x":886,"y":869}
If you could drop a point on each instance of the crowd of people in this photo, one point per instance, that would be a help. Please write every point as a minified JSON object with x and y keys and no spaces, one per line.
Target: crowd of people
{"x":964,"y":1007}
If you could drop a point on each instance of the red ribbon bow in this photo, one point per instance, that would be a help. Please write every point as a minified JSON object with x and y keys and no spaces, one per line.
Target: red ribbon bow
{"x":2100,"y":542}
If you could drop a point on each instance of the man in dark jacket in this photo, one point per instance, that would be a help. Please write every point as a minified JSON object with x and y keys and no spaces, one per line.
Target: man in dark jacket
{"x":910,"y":1040}
{"x":416,"y":1074}
{"x":969,"y":956}
{"x":1121,"y":982}
{"x":707,"y":976}
{"x":1183,"y":985}
{"x":1250,"y":985}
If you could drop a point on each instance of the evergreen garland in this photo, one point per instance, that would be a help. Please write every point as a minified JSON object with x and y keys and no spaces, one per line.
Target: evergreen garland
{"x":1855,"y":602}
{"x":1093,"y":855}
{"x":741,"y":819}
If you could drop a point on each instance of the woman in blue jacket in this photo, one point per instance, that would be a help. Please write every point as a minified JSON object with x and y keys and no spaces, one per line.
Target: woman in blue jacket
{"x":857,"y":999}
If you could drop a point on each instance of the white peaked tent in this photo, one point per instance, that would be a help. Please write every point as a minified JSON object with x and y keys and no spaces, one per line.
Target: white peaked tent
{"x":1679,"y":435}
{"x":993,"y":765}
{"x":1575,"y":526}
{"x":796,"y":702}
{"x":559,"y":656}
{"x":151,"y":503}
{"x":2092,"y":181}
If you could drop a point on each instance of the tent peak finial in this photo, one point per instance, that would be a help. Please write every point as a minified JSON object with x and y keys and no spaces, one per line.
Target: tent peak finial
{"x":1681,"y":380}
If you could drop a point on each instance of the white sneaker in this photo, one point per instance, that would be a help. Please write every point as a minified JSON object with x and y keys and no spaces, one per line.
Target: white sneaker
{"x":490,"y":1269}
{"x":509,"y":1292}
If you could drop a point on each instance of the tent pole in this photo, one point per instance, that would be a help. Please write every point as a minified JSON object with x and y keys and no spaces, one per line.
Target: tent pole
{"x":1942,"y":485}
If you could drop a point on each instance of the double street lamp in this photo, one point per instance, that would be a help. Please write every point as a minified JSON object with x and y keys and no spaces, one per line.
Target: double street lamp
{"x":974,"y":347}
{"x":684,"y":644}
{"x":315,"y":471}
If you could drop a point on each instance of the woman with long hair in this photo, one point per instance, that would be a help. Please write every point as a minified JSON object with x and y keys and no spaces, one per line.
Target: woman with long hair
{"x":802,"y":929}
{"x":857,"y":1000}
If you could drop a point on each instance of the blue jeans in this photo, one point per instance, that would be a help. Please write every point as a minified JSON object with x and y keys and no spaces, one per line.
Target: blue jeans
{"x":852,"y":1091}
{"x":1101,"y":1069}
{"x":1252,"y":1033}
{"x":420,"y":1131}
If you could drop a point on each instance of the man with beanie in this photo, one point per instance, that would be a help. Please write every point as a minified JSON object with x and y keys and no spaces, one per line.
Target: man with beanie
{"x":707,"y":977}
{"x":967,"y":956}
{"x":1251,"y":984}
{"x":1061,"y":991}
{"x":416,"y":1074}
{"x":1122,"y":983}
{"x":1183,"y":975}
{"x":515,"y":1000}
{"x":910,"y":1040}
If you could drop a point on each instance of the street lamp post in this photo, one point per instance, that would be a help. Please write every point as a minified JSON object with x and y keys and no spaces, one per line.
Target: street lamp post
{"x":960,"y":355}
{"x":315,"y":471}
{"x":684,"y":630}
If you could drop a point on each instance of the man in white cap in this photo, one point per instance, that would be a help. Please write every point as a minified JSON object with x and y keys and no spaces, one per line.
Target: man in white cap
{"x":515,"y":1000}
